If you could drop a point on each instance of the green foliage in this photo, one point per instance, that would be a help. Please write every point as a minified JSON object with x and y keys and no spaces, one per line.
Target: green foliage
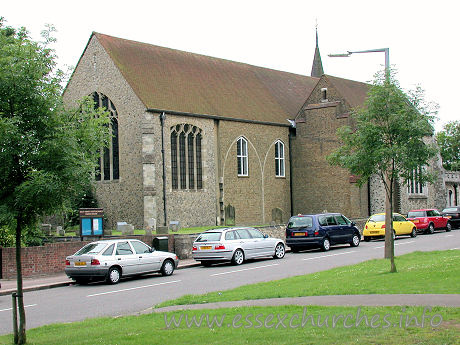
{"x":449,"y":144}
{"x":48,"y":152}
{"x":7,"y":236}
{"x":390,"y":132}
{"x":85,"y":199}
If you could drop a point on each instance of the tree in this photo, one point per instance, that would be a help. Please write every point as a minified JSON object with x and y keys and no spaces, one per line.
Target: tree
{"x":388,"y":139}
{"x":48,"y":152}
{"x":449,"y":144}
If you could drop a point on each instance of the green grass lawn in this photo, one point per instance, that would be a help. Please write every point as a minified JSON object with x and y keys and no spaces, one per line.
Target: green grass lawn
{"x":260,"y":325}
{"x":435,"y":272}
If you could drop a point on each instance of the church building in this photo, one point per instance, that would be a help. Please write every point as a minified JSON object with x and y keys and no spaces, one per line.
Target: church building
{"x":208,"y":141}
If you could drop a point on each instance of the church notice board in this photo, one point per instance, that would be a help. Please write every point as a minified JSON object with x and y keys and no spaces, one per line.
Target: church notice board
{"x":91,"y":221}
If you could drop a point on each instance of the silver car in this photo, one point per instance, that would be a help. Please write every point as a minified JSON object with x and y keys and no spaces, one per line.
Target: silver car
{"x":235,"y":245}
{"x":112,"y":259}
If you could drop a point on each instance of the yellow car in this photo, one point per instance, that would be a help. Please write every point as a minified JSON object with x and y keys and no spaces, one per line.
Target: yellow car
{"x":375,"y":226}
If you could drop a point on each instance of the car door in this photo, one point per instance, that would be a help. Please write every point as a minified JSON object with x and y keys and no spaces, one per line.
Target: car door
{"x":439,"y":221}
{"x":401,"y":225}
{"x":126,"y":258}
{"x":148,"y":260}
{"x":333,"y":229}
{"x":246,"y":242}
{"x":345,"y":228}
{"x":263,"y":246}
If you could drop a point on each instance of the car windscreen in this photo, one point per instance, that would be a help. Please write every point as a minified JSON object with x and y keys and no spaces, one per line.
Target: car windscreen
{"x":377,"y":218}
{"x":209,"y":237}
{"x":414,"y":214}
{"x":92,"y":248}
{"x":451,"y":209}
{"x":300,"y":222}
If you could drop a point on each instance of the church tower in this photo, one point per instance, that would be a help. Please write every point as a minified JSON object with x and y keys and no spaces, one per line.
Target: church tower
{"x":317,"y":68}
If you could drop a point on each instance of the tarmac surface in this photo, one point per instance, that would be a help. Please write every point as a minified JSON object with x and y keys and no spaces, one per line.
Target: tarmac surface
{"x":8,"y":286}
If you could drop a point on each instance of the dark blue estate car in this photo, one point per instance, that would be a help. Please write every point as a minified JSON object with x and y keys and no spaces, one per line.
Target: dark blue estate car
{"x":321,"y":231}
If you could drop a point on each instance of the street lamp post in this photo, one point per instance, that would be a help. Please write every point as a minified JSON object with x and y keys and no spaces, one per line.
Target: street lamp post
{"x":389,"y":243}
{"x":381,"y":50}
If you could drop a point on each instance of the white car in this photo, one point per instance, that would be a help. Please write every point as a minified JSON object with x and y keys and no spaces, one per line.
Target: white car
{"x":112,"y":259}
{"x":235,"y":245}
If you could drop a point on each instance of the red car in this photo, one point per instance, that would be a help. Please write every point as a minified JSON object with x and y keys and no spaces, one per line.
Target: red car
{"x":429,"y":220}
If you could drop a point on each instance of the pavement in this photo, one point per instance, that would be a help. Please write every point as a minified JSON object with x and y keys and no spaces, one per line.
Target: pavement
{"x":424,"y":300}
{"x":8,"y":286}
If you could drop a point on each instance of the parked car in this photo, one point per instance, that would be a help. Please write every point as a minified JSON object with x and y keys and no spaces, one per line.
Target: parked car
{"x":320,"y":231}
{"x":111,"y":260}
{"x":429,"y":220}
{"x":453,"y":213}
{"x":375,"y":226}
{"x":235,"y":244}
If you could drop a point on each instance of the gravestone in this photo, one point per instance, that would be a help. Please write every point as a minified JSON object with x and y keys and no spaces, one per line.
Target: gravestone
{"x":60,"y":231}
{"x":277,"y":216}
{"x":229,"y":215}
{"x":174,"y":225}
{"x":127,"y":229}
{"x":46,"y":228}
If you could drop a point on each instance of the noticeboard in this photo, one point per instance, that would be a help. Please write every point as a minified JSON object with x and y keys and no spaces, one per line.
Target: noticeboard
{"x":91,"y":221}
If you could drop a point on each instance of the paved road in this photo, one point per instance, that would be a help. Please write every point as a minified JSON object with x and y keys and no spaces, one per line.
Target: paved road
{"x":74,"y":303}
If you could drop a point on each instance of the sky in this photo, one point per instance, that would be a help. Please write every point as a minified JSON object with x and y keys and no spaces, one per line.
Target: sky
{"x":421,"y":35}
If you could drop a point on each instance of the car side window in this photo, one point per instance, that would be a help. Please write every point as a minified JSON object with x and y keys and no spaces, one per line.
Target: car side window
{"x":123,"y":248}
{"x":331,"y":220}
{"x":399,"y":218}
{"x":140,"y":247}
{"x":255,"y":233}
{"x":341,"y":220}
{"x":435,"y":213}
{"x":109,"y":251}
{"x":322,"y":221}
{"x":244,"y":234}
{"x":231,"y":235}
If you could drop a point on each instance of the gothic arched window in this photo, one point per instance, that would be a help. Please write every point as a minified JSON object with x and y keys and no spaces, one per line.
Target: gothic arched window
{"x":279,"y":159}
{"x":108,"y":165}
{"x":186,"y":163}
{"x":242,"y":156}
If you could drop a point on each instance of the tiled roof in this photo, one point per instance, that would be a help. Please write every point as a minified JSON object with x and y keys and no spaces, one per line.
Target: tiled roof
{"x":179,"y":81}
{"x":354,"y":92}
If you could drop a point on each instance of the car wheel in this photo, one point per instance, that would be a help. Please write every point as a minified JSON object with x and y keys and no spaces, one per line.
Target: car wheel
{"x":448,"y":227}
{"x":431,"y":229}
{"x":238,"y":257}
{"x":206,"y":263}
{"x":114,"y":275}
{"x":279,"y":251}
{"x":326,"y":245}
{"x":355,"y":240}
{"x":367,"y":238}
{"x":413,"y":233}
{"x":295,"y":249}
{"x":167,"y":268}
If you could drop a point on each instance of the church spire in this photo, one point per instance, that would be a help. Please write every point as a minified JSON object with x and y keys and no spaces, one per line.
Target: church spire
{"x":317,"y":68}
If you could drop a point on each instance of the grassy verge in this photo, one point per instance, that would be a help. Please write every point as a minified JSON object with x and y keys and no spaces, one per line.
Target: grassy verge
{"x":435,"y":272}
{"x":260,"y":325}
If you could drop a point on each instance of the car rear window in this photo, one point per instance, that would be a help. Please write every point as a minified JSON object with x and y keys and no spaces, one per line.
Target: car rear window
{"x":415,"y":214}
{"x":91,"y":248}
{"x":300,"y":222}
{"x":209,"y":237}
{"x":377,"y":218}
